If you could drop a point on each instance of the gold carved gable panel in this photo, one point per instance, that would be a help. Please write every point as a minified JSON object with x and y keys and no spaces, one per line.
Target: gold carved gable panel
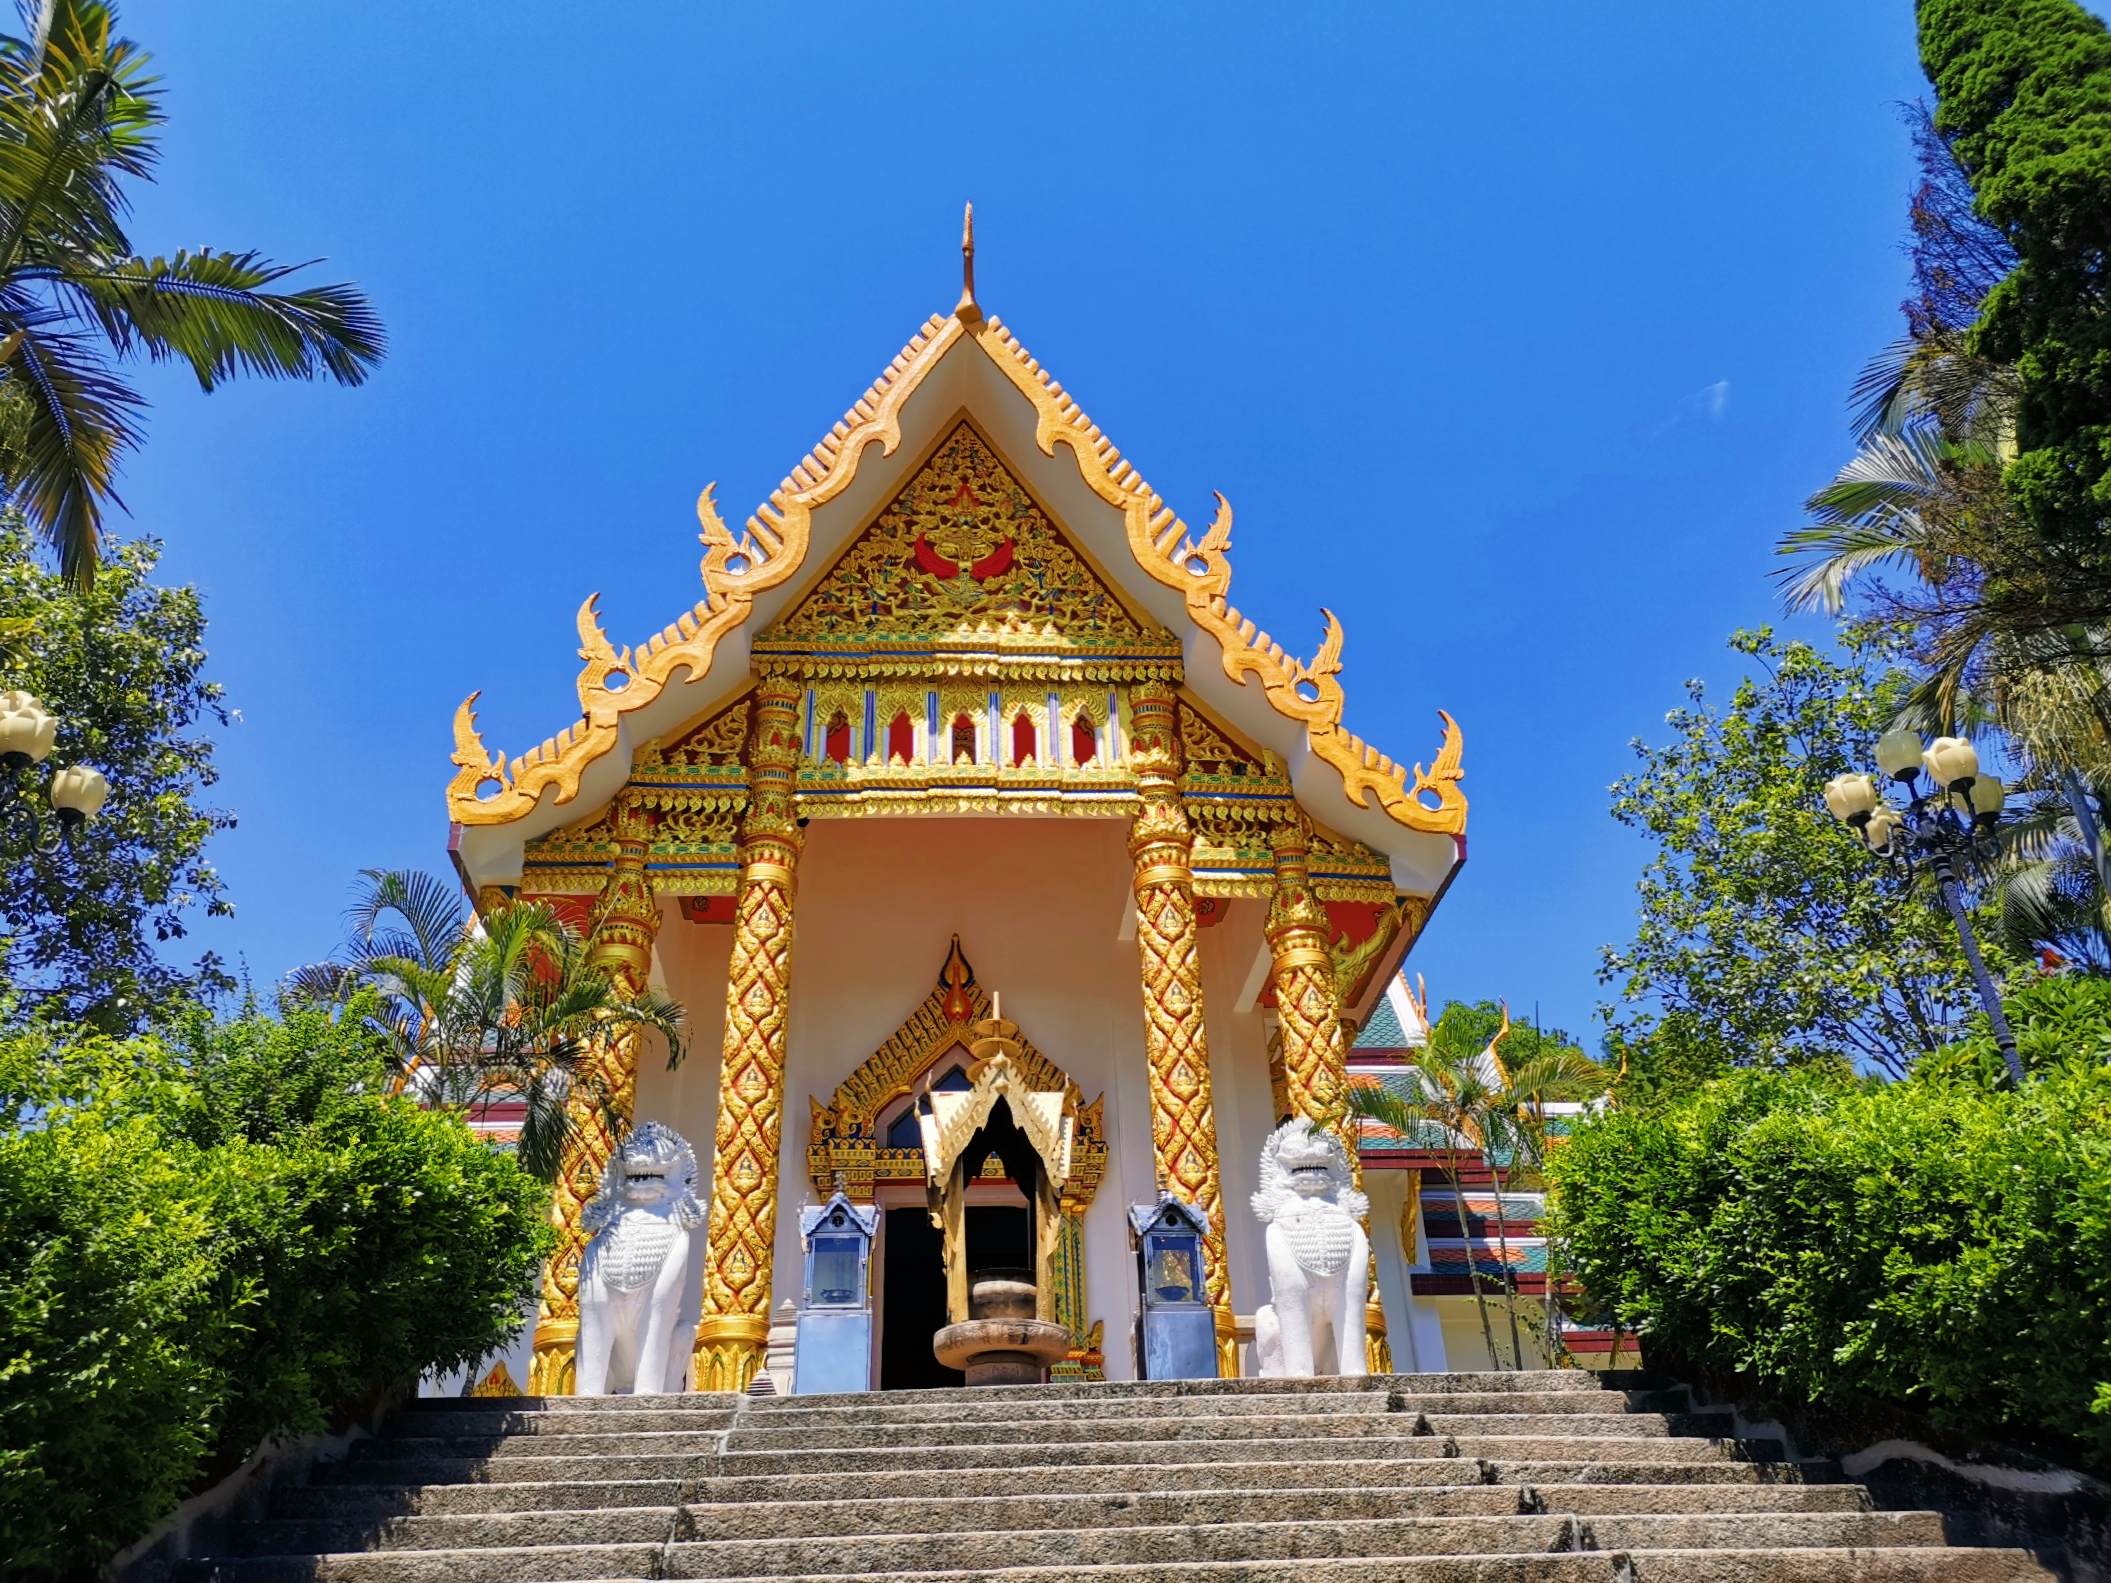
{"x":962,"y":548}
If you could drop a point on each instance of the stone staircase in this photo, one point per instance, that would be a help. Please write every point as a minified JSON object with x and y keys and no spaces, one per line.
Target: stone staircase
{"x":1432,"y":1478}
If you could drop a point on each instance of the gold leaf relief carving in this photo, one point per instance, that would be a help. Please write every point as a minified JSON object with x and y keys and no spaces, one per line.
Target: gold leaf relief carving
{"x":961,"y":544}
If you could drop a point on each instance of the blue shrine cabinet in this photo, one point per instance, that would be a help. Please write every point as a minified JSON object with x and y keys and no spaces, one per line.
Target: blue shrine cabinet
{"x":835,"y":1319}
{"x":1177,"y":1331}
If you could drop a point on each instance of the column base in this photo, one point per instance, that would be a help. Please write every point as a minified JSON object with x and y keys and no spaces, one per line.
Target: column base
{"x":550,"y":1369}
{"x":729,"y":1349}
{"x":1227,"y":1344}
{"x":1377,"y":1351}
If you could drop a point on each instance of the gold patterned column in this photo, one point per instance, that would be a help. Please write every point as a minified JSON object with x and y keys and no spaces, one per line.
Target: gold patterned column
{"x":1183,"y":1119}
{"x":1314,"y":1056}
{"x":743,"y":1233}
{"x":626,"y":922}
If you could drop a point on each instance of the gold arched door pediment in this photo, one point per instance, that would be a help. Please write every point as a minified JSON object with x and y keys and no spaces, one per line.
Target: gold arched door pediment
{"x":845,"y":1132}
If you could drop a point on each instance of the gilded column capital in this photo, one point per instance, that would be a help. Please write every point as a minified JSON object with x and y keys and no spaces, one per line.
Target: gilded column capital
{"x":742,"y":1237}
{"x":628,"y":919}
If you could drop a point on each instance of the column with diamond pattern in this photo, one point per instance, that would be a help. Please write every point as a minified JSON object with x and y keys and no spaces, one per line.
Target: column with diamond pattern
{"x":743,"y":1225}
{"x":1183,"y":1118}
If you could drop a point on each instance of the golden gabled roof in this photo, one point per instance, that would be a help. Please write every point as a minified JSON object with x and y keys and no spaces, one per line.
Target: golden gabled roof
{"x":774,"y":546}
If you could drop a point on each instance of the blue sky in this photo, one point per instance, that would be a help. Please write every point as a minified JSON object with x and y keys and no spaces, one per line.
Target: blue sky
{"x":1515,"y":336}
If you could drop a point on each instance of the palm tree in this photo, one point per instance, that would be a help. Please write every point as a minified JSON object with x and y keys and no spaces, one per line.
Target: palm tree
{"x":2015,"y":633}
{"x":1461,"y":1090}
{"x":1448,"y":1090}
{"x":1554,"y":1073}
{"x":483,"y":1013}
{"x":78,"y":117}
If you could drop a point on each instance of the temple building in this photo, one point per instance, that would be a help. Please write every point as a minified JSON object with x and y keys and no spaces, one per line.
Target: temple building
{"x":965,"y":711}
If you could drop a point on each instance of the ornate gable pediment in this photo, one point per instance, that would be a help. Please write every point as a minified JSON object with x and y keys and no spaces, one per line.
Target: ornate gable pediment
{"x":844,"y":1142}
{"x":963,"y":555}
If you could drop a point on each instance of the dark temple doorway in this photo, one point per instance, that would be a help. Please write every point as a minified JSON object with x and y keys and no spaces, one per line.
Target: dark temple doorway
{"x":913,"y":1294}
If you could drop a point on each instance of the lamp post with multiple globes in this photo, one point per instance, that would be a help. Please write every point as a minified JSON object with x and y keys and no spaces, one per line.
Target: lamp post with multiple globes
{"x":1945,"y":828}
{"x":76,"y":792}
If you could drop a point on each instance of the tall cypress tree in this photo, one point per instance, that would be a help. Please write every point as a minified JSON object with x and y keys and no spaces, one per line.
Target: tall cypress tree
{"x":2024,"y":94}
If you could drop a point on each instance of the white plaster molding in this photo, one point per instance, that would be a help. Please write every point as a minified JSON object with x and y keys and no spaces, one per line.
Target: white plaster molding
{"x":2054,"y":1481}
{"x":1256,"y":976}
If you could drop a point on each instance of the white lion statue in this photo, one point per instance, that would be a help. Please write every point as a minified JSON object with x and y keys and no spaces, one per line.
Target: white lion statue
{"x":1318,"y":1256}
{"x":632,"y":1274}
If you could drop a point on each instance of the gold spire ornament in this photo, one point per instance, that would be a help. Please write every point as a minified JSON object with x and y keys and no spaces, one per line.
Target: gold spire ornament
{"x":967,"y":310}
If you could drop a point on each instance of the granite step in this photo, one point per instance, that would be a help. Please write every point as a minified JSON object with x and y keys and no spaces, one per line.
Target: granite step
{"x":565,"y":1517}
{"x":1583,"y":1381}
{"x":1118,"y":1477}
{"x":396,"y":1472}
{"x":496,"y":1422}
{"x":355,"y":1503}
{"x":1307,"y":1538}
{"x":969,"y":1406}
{"x":1559,"y":1478}
{"x":1904,"y":1565}
{"x":1245,"y":1426}
{"x":614,"y":1564}
{"x":1280,"y":1452}
{"x":1023,"y":1513}
{"x":686,"y":1401}
{"x":400,"y":1462}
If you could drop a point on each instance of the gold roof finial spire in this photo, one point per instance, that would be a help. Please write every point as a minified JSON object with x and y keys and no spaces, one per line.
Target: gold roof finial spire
{"x":967,"y":309}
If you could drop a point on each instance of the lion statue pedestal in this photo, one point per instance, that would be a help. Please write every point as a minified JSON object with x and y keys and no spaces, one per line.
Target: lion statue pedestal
{"x":633,"y":1271}
{"x":1318,"y":1256}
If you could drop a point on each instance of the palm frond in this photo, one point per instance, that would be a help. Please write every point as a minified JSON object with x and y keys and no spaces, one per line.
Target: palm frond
{"x":80,"y":418}
{"x":433,"y":911}
{"x":206,"y":308}
{"x":318,"y":984}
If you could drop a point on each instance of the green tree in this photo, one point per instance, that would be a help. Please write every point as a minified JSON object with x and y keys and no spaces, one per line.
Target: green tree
{"x":219,"y":1236}
{"x":78,"y":119}
{"x":89,"y":925}
{"x":1767,"y":936}
{"x":474,"y":1013}
{"x":1936,"y":1242}
{"x":2024,"y":95}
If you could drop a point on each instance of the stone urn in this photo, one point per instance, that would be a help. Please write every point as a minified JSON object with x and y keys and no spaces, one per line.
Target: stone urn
{"x":1002,"y":1343}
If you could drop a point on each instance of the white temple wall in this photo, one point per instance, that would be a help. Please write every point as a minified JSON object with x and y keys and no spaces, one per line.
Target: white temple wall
{"x":690,"y":961}
{"x":1038,"y":905}
{"x":1238,"y":1060}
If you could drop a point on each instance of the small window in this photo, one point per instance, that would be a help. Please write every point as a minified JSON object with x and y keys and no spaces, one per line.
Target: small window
{"x":838,"y":738}
{"x":1084,"y":741}
{"x":903,"y":1132}
{"x":1023,"y":740}
{"x":901,"y":740}
{"x":963,"y":740}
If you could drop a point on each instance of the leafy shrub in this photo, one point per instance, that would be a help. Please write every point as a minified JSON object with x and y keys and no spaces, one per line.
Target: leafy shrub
{"x":1933,"y":1242}
{"x":216,"y":1237}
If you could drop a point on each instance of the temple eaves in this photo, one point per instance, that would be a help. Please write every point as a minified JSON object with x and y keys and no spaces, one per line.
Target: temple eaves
{"x":625,"y":691}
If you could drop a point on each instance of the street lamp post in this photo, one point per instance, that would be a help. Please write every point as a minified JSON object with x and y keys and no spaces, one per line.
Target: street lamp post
{"x":76,"y":793}
{"x":1945,"y":829}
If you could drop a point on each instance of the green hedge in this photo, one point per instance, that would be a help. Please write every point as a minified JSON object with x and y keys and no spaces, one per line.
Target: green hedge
{"x":1935,"y":1243}
{"x":217,"y":1237}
